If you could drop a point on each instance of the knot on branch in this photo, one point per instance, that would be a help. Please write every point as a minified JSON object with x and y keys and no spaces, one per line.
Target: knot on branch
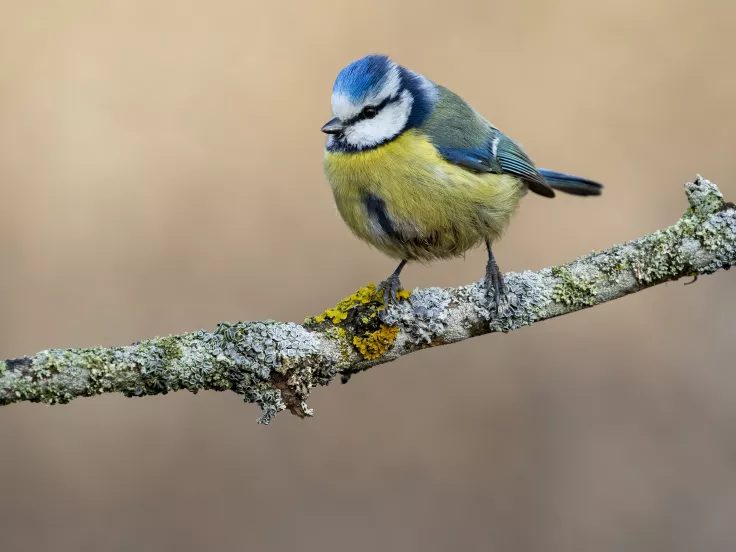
{"x":704,"y":197}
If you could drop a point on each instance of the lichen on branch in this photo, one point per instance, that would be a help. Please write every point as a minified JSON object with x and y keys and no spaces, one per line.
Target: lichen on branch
{"x":277,"y":364}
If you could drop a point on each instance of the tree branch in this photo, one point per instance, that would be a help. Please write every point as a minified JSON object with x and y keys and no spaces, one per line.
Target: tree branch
{"x":276,"y":364}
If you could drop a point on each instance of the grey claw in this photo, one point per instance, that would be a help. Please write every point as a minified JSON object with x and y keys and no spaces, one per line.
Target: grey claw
{"x":494,"y":286}
{"x":390,"y":286}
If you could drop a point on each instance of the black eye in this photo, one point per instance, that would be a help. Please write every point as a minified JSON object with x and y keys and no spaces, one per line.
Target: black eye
{"x":369,"y":112}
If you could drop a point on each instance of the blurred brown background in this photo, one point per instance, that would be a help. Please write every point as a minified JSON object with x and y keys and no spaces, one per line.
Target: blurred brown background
{"x":160,"y":171}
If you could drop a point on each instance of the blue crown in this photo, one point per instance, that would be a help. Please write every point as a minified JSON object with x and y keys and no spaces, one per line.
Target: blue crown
{"x":363,"y":76}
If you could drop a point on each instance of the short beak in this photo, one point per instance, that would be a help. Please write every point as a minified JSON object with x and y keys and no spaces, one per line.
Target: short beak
{"x":333,"y":126}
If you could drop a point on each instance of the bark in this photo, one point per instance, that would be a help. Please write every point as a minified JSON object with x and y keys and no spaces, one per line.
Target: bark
{"x":277,"y":364}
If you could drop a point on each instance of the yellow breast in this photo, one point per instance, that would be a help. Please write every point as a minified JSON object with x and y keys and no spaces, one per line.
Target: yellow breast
{"x":409,"y":202}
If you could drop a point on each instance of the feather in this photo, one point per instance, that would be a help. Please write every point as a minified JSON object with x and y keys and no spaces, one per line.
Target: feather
{"x":513,"y":160}
{"x":462,"y":136}
{"x":410,"y":203}
{"x":568,"y":183}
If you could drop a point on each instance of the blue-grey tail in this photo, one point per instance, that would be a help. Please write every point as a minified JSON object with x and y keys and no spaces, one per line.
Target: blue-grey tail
{"x":570,"y":184}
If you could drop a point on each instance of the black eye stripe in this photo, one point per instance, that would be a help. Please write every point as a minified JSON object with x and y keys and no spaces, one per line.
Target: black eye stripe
{"x":379,"y":106}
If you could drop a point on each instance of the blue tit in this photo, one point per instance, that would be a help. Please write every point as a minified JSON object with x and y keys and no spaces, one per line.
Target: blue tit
{"x":421,"y":175}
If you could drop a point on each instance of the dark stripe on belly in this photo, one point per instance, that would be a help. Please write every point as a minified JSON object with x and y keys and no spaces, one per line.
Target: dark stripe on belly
{"x":376,"y":208}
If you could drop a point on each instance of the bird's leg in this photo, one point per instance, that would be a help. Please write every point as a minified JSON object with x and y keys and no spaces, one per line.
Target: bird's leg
{"x":493,"y":279}
{"x":391,"y":286}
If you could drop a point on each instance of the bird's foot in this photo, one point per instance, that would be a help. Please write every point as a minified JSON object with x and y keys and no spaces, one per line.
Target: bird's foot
{"x":494,"y":285}
{"x":391,"y":286}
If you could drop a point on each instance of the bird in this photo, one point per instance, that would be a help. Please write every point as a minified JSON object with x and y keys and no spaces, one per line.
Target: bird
{"x":419,"y":174}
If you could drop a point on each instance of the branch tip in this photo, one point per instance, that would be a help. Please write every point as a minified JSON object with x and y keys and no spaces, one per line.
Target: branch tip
{"x":704,"y":196}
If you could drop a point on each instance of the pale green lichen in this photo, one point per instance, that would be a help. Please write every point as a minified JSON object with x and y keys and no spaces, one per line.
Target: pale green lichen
{"x":674,"y":251}
{"x":659,"y":256}
{"x":611,"y":263}
{"x":704,"y":196}
{"x":678,"y":250}
{"x":343,"y":342}
{"x":718,"y":236}
{"x":571,"y":289}
{"x":170,"y":347}
{"x":235,"y":356}
{"x":275,"y":365}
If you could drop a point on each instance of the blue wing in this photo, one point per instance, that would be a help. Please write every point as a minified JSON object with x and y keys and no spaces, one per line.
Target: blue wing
{"x":465,"y":138}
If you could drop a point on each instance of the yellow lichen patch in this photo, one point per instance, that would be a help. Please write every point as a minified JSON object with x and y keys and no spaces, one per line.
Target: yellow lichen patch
{"x":336,"y":315}
{"x":374,"y":344}
{"x":340,"y":311}
{"x":404,"y":294}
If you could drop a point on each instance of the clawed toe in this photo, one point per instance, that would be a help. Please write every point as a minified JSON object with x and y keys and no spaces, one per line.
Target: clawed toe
{"x":494,"y":288}
{"x":391,"y":286}
{"x":493,"y":282}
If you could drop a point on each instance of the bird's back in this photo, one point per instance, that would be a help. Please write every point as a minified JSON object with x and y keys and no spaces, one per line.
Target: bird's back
{"x":455,"y":123}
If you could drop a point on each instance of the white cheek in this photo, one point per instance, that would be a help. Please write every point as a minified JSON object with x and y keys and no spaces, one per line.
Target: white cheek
{"x":389,"y":122}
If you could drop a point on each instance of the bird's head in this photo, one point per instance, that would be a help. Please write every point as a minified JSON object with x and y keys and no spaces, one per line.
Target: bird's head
{"x":374,"y":100}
